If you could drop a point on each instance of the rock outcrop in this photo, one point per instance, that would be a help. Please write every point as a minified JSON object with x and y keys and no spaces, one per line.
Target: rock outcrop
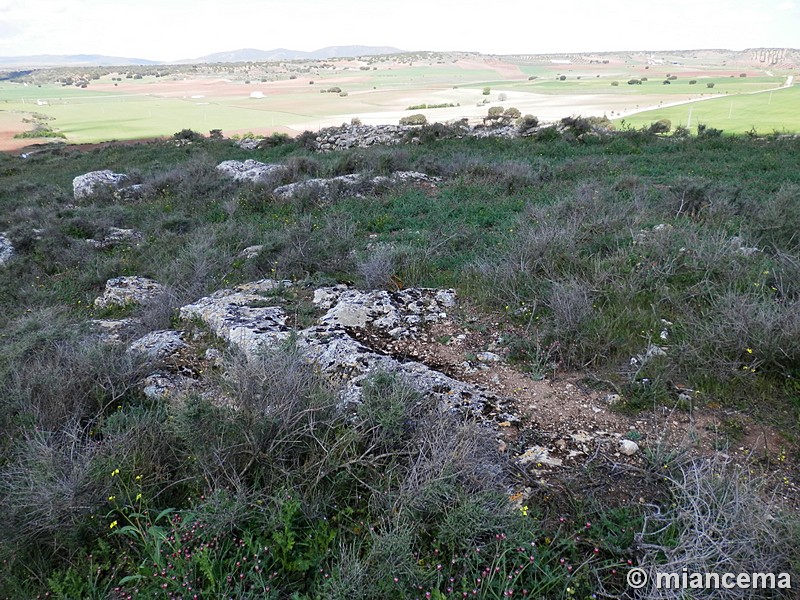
{"x":126,"y":291}
{"x":243,"y":317}
{"x":252,"y":171}
{"x":324,"y":191}
{"x":117,"y":237}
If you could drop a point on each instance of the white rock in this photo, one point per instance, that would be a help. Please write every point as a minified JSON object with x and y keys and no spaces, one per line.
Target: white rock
{"x":252,"y":171}
{"x":157,"y":345}
{"x":87,"y":184}
{"x":628,"y":447}
{"x":6,"y":249}
{"x":125,"y":291}
{"x":488,"y":357}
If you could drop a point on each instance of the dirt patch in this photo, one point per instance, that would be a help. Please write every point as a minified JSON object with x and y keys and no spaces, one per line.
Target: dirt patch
{"x":568,"y":431}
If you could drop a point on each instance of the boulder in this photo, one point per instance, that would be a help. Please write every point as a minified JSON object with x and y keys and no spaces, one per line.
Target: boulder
{"x":126,"y":291}
{"x":85,"y":185}
{"x":252,"y":171}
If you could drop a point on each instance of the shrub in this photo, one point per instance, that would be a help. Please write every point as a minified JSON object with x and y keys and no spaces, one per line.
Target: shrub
{"x":715,"y":500}
{"x":660,"y":126}
{"x":692,"y":81}
{"x":502,"y":97}
{"x":487,"y":91}
{"x":634,"y":82}
{"x":710,"y":85}
{"x":418,"y":119}
{"x":615,"y":83}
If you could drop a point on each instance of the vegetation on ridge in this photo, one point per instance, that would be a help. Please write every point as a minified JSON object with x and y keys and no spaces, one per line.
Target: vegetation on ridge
{"x":590,"y":249}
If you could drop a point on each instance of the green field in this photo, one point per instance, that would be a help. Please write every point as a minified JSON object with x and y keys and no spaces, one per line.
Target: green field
{"x":764,"y":112}
{"x":218,"y":97}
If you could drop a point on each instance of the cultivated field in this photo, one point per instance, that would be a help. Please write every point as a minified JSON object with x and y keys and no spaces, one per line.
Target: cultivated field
{"x":286,"y":97}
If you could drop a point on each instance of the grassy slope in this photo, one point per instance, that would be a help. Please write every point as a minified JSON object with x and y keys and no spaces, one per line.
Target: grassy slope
{"x":517,"y":223}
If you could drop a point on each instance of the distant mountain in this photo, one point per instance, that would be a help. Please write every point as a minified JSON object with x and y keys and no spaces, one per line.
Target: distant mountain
{"x":71,"y":60}
{"x":251,"y":54}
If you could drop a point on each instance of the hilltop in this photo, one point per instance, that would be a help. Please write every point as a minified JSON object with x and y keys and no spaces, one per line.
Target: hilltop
{"x":444,"y":362}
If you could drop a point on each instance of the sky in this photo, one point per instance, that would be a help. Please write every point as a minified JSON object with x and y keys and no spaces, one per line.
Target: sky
{"x":167,"y":30}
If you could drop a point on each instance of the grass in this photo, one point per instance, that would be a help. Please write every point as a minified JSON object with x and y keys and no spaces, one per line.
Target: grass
{"x":763,"y":113}
{"x":585,"y":246}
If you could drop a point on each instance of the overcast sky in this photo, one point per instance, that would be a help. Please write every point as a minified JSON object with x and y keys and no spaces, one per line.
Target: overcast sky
{"x":176,"y":29}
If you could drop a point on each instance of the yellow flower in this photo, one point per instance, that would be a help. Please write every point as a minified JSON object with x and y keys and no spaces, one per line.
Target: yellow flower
{"x":111,"y":498}
{"x":139,"y":496}
{"x":524,"y":511}
{"x":138,"y":477}
{"x":749,"y":350}
{"x":113,"y":524}
{"x":115,"y":472}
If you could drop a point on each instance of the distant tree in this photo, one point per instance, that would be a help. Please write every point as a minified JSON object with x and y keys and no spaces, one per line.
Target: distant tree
{"x":692,"y":81}
{"x":502,"y":97}
{"x":511,"y":113}
{"x":562,"y":78}
{"x":742,"y":74}
{"x":710,"y":85}
{"x":615,"y":83}
{"x":667,"y":82}
{"x":634,"y":81}
{"x":495,"y":112}
{"x":487,"y":91}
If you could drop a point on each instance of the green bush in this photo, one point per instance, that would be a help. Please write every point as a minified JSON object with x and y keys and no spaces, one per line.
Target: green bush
{"x":418,"y":119}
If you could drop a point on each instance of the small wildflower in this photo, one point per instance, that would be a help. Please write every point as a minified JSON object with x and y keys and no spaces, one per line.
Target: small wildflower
{"x":111,"y":498}
{"x":113,"y":524}
{"x":115,"y":472}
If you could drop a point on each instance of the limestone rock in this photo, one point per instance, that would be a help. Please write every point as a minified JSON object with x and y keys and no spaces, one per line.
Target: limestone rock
{"x":249,"y":143}
{"x":163,"y":386}
{"x":6,"y":249}
{"x":112,"y":331}
{"x":117,"y":237}
{"x":89,"y":183}
{"x":354,"y":185}
{"x":158,"y":345}
{"x":125,"y":291}
{"x":252,"y":171}
{"x":488,"y":357}
{"x":628,"y":447}
{"x":239,"y":316}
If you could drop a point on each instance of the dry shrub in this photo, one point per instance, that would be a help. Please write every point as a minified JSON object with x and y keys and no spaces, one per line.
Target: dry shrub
{"x":727,"y":523}
{"x":378,"y":267}
{"x":48,"y":490}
